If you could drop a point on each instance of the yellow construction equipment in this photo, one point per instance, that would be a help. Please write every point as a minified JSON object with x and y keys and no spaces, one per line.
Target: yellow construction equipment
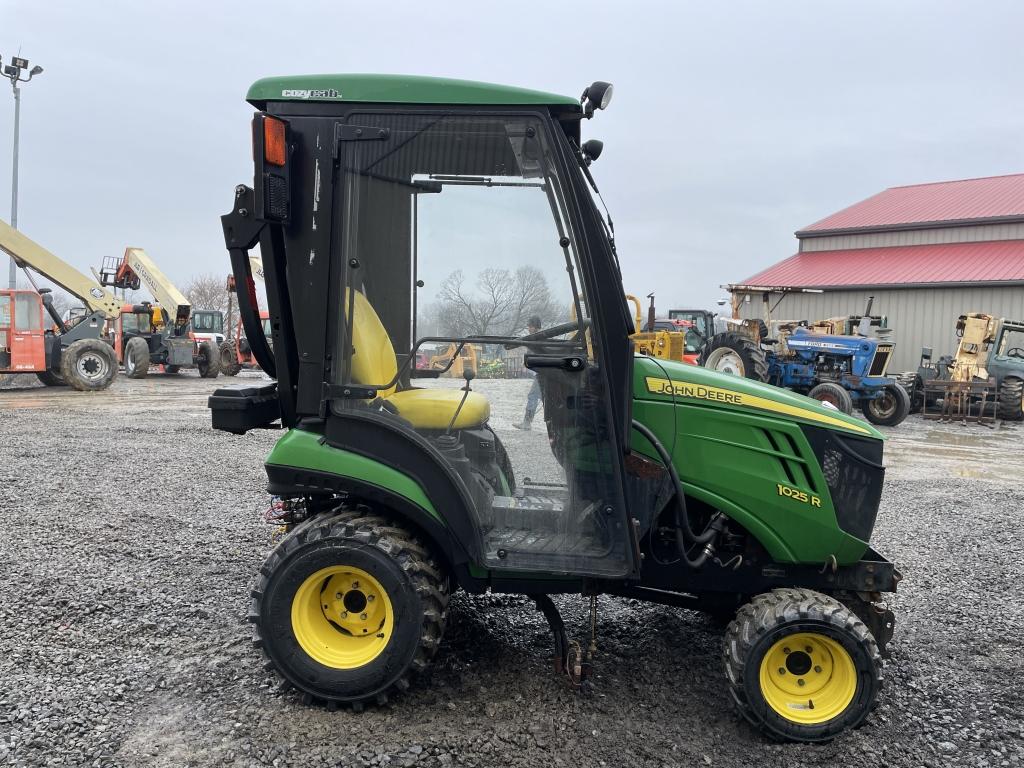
{"x":171,"y":345}
{"x":658,"y":342}
{"x":453,"y":361}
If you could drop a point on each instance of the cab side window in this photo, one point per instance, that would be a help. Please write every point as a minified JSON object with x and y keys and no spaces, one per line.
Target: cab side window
{"x":27,"y":315}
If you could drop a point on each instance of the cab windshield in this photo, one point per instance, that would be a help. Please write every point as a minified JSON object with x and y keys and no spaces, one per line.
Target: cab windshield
{"x":136,"y":322}
{"x":1012,"y":343}
{"x":208,"y":322}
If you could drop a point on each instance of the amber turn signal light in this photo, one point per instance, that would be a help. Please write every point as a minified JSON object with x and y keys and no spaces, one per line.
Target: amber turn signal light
{"x":275,"y":148}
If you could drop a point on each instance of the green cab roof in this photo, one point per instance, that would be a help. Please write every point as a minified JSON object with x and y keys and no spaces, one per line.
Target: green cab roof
{"x":397,"y":89}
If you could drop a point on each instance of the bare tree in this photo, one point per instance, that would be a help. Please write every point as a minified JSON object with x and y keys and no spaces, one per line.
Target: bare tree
{"x":207,"y":292}
{"x":500,"y":303}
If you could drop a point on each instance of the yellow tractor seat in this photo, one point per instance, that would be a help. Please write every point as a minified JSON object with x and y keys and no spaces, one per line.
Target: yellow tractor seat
{"x":434,"y":408}
{"x":374,"y":363}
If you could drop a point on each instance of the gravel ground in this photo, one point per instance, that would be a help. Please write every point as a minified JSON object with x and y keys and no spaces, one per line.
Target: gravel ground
{"x":131,"y":532}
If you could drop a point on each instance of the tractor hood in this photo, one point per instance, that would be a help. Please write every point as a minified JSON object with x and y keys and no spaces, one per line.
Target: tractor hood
{"x":803,"y":339}
{"x":660,"y":380}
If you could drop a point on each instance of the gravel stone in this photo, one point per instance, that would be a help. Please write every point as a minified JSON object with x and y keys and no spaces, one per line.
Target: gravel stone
{"x":132,"y":532}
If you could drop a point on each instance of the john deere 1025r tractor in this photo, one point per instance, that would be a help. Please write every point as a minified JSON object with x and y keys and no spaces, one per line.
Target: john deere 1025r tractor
{"x":377,"y":198}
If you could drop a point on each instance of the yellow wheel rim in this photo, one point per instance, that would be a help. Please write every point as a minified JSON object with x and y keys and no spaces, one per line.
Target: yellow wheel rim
{"x":342,"y":617}
{"x":808,"y":678}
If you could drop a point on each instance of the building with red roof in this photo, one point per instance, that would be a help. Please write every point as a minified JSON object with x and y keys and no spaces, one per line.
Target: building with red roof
{"x":927,"y":253}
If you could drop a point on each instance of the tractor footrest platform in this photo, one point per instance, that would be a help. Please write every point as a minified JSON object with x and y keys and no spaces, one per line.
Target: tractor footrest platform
{"x":242,"y":407}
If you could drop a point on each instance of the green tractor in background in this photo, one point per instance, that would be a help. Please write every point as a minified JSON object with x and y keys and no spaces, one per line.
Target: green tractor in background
{"x":652,"y":479}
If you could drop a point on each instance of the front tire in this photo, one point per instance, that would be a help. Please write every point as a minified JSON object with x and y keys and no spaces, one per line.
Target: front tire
{"x":736,"y":354}
{"x":348,"y":607}
{"x":136,"y":358}
{"x":208,"y":361}
{"x":889,"y":409}
{"x":834,"y":394}
{"x":88,"y":365}
{"x":1011,"y":399}
{"x":801,"y":665}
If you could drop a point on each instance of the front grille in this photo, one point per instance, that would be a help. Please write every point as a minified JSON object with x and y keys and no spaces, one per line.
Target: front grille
{"x":853,"y":471}
{"x":881,"y":360}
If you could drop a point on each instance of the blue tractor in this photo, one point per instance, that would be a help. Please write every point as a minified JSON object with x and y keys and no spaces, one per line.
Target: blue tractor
{"x":835,"y":361}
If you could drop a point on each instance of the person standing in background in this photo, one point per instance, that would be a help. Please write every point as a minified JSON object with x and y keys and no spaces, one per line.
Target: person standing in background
{"x":533,"y":398}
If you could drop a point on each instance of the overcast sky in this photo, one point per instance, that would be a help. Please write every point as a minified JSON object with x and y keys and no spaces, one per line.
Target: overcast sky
{"x":733,"y":124}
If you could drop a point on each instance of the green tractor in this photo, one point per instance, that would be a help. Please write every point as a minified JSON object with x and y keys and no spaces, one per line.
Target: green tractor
{"x":376,"y":198}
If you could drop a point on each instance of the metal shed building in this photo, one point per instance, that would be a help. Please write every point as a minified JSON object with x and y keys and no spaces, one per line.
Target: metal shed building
{"x":927,"y":253}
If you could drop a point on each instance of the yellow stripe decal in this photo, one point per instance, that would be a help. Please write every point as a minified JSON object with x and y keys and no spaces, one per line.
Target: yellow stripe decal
{"x":729,"y":397}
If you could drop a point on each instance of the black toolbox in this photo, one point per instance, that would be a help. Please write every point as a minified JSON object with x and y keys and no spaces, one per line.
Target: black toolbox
{"x":242,"y":407}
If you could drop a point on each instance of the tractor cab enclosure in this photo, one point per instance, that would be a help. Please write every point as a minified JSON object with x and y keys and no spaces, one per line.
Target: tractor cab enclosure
{"x":415,"y":227}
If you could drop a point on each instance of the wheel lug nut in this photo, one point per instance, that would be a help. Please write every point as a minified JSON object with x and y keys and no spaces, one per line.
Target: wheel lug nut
{"x":344,"y":614}
{"x":370,"y":598}
{"x":337,"y":595}
{"x":785,"y":649}
{"x":818,"y":670}
{"x":800,"y":681}
{"x":355,"y":585}
{"x":362,"y":616}
{"x":807,"y":648}
{"x":782,"y":670}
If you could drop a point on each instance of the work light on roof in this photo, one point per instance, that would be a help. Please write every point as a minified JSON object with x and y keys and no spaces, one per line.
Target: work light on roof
{"x":598,"y":95}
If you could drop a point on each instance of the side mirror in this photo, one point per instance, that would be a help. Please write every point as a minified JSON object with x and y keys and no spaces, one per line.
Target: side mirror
{"x":592,"y":150}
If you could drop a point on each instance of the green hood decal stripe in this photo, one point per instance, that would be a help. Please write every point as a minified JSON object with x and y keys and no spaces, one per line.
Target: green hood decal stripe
{"x":658,"y":386}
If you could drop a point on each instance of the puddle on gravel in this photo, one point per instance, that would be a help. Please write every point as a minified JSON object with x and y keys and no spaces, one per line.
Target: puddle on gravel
{"x":971,"y":452}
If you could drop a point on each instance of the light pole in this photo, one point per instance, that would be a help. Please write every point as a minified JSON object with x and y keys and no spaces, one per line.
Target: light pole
{"x":13,"y":73}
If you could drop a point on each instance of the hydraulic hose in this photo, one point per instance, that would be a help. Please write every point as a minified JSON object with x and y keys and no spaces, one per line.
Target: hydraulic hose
{"x":685,"y":536}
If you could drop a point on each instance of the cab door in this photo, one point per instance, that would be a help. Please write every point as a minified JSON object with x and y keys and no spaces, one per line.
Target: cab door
{"x":28,"y":352}
{"x":6,"y":302}
{"x":458,"y":232}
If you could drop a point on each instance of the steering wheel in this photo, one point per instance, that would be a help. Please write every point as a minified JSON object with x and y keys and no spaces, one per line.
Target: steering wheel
{"x":1015,"y":352}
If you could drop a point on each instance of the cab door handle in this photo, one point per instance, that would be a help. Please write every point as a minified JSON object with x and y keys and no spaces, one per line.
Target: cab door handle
{"x":572,"y":364}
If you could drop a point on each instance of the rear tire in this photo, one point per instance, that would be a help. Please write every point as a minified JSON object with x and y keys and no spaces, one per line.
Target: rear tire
{"x":51,"y":378}
{"x":136,"y":358}
{"x":88,"y":365}
{"x":888,"y":410}
{"x":801,"y":666}
{"x":348,"y":607}
{"x":1011,"y":399}
{"x":829,"y":392}
{"x":229,"y":364}
{"x":736,"y":354}
{"x":208,"y":361}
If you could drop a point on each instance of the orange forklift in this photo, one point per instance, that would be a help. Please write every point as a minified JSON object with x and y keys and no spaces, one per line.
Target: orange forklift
{"x":72,"y":352}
